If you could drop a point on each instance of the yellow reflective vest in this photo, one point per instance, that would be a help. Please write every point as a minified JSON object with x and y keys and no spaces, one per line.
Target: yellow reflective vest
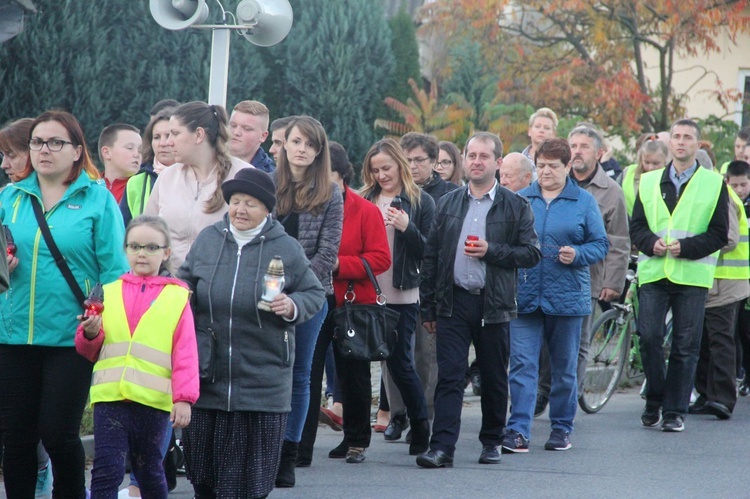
{"x":735,"y":264}
{"x":628,"y":188}
{"x":691,"y":216}
{"x":138,"y":367}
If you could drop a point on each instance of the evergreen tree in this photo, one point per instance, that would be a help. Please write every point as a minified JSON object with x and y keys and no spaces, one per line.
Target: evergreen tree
{"x":109,"y":61}
{"x":406,"y":54}
{"x":337,"y":66}
{"x":470,"y":76}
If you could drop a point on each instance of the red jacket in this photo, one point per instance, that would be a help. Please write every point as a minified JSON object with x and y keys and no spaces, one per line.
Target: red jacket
{"x":138,"y":293}
{"x":363,"y":236}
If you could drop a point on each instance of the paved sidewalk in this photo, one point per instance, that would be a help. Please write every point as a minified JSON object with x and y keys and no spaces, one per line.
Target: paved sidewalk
{"x":612,"y":456}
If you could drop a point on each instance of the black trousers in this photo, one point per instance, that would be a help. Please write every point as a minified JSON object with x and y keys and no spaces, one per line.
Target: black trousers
{"x":491,"y":342}
{"x":743,"y":335}
{"x":716,"y":371}
{"x":325,"y":337}
{"x":44,"y":391}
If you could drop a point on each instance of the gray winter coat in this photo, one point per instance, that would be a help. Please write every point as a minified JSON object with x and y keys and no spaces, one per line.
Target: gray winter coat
{"x":246,"y":355}
{"x":320,"y":236}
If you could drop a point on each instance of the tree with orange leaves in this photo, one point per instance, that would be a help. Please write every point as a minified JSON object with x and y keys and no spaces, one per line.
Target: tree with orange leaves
{"x":587,"y":57}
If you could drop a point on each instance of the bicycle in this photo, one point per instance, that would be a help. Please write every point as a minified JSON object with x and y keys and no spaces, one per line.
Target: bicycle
{"x":614,"y":346}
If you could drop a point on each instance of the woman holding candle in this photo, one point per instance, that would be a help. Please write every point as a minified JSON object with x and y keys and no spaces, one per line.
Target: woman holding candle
{"x":43,"y":381}
{"x":233,"y":444}
{"x":311,"y":209}
{"x":387,"y":178}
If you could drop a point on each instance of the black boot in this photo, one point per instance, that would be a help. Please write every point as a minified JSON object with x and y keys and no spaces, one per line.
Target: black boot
{"x":285,"y":476}
{"x":420,"y":437}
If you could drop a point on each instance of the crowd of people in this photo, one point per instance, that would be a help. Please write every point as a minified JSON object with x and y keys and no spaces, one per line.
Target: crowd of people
{"x":191,"y":285}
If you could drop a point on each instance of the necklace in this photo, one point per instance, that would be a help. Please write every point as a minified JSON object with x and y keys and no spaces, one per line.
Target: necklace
{"x":199,"y":185}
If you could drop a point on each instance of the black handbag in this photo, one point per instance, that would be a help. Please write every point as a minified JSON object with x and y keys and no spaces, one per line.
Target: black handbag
{"x":365,"y":332}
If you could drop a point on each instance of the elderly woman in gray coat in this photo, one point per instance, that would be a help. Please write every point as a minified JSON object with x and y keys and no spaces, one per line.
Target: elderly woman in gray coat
{"x":233,"y":443}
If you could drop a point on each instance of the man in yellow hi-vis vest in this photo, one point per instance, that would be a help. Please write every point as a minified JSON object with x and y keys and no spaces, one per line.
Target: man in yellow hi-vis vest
{"x":679,"y":224}
{"x":716,"y":372}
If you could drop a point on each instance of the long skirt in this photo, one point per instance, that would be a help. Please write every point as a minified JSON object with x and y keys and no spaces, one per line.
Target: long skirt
{"x":234,"y":454}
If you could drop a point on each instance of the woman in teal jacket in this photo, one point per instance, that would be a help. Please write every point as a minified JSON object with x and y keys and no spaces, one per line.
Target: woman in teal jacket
{"x":43,"y":381}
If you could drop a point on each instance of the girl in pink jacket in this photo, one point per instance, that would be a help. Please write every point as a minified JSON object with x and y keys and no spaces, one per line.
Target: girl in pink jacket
{"x":146,"y":373}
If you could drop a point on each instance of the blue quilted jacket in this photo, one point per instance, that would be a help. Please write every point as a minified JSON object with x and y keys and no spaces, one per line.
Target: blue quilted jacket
{"x":571,"y":219}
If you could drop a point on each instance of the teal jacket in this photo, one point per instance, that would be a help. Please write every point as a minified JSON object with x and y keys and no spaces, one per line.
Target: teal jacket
{"x":39,"y":308}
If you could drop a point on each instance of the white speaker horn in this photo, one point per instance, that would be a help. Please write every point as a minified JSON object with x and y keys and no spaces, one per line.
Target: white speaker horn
{"x":271,"y":20}
{"x":178,"y":14}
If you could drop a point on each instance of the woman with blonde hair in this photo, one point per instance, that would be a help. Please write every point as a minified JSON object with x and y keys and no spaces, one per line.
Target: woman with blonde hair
{"x":408,"y":213}
{"x":188,"y":197}
{"x":311,"y":209}
{"x":652,"y":155}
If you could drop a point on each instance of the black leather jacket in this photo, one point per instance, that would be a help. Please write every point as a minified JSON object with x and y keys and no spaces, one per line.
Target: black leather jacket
{"x":409,"y":246}
{"x":513,"y":244}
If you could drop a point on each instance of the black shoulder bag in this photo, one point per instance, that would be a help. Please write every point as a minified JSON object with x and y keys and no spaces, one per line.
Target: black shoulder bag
{"x":365,"y":332}
{"x":59,"y":259}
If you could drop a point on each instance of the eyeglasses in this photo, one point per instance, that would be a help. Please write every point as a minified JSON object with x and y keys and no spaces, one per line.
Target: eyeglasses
{"x":150,"y":249}
{"x":418,"y":161}
{"x":54,"y":145}
{"x":445,"y":163}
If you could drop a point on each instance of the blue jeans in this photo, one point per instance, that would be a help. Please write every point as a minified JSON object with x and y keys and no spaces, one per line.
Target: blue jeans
{"x":305,"y":337}
{"x":670,"y":387}
{"x":563,"y":336}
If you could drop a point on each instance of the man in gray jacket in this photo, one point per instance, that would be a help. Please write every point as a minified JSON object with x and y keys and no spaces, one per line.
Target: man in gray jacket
{"x":608,"y":276}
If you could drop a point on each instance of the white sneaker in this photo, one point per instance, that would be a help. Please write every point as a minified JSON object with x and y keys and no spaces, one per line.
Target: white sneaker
{"x":44,"y":483}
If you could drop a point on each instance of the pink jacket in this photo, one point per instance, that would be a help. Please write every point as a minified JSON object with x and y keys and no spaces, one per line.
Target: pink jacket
{"x":139,"y":293}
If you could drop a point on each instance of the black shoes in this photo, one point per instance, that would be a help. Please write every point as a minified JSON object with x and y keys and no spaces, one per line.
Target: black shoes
{"x":355,"y":455}
{"x":285,"y":476}
{"x":699,"y":406}
{"x":514,"y":442}
{"x":339,"y":452}
{"x":541,"y":404}
{"x":435,"y":459}
{"x":673,"y":423}
{"x":559,"y":439}
{"x":651,"y":416}
{"x":711,"y":408}
{"x":717,"y":409}
{"x":420,"y":437}
{"x":396,"y":426}
{"x":489,"y":455}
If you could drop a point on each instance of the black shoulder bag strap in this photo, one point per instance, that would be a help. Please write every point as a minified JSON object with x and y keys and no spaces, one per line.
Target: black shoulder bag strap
{"x":373,"y":280}
{"x":59,"y":259}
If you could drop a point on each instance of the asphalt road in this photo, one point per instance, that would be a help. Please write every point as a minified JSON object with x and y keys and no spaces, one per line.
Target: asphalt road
{"x":612,"y":456}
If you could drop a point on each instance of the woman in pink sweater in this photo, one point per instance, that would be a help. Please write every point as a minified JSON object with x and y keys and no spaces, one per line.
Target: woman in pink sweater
{"x":146,"y":369}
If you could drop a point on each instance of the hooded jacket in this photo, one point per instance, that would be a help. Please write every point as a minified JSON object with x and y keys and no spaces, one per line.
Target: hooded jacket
{"x":40,"y":308}
{"x":138,"y":294}
{"x":253,"y":350}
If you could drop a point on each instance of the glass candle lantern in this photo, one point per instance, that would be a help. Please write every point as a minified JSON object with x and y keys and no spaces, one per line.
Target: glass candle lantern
{"x":273,"y":283}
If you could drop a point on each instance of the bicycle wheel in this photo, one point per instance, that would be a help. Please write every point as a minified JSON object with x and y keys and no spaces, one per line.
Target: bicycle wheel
{"x":606,"y":360}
